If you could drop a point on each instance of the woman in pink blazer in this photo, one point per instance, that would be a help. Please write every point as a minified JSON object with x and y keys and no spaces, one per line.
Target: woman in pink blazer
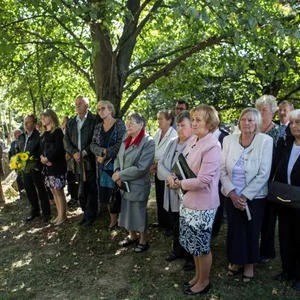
{"x":201,"y":200}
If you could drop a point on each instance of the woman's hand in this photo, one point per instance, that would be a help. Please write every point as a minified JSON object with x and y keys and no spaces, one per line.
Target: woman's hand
{"x":153,"y":168}
{"x":116,"y":176}
{"x":100,"y":159}
{"x":238,"y":202}
{"x":177,"y":183}
{"x":118,"y":182}
{"x":44,"y":159}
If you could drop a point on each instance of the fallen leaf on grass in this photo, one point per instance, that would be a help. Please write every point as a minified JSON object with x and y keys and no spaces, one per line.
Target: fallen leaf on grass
{"x":167,"y":268}
{"x":236,"y":279}
{"x":176,"y":285}
{"x":48,"y":261}
{"x":75,"y":263}
{"x":148,"y":259}
{"x":65,"y":267}
{"x":74,"y":253}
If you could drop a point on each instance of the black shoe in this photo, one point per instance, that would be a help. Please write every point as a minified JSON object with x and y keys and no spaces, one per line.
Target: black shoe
{"x":296,"y":285}
{"x":31,"y":217}
{"x":264,"y":260}
{"x":171,"y":257}
{"x":83,"y":221}
{"x":204,"y":291}
{"x":155,"y":224}
{"x":187,"y":285}
{"x":168,"y":232}
{"x":46,"y":219}
{"x":188,"y":266}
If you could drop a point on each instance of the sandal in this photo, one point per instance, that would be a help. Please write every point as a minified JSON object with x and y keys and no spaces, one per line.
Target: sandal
{"x":247,"y":279}
{"x":231,"y":272}
{"x":128,"y":241}
{"x":141,"y":247}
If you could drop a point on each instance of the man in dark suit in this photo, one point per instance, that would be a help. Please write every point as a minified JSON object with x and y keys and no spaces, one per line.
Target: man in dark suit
{"x":77,"y":140}
{"x":219,"y":218}
{"x":33,"y":180}
{"x":284,"y":109}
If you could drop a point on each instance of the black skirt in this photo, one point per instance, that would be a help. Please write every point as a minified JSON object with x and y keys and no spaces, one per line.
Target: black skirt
{"x":243,"y":235}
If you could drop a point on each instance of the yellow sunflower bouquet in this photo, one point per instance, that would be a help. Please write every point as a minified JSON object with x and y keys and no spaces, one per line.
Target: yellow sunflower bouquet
{"x":22,"y":162}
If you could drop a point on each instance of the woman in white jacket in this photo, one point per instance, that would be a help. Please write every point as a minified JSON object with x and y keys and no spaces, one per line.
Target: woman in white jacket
{"x":162,"y":137}
{"x":246,"y":166}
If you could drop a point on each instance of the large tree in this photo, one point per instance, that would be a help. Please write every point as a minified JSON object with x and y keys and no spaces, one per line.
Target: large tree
{"x":123,"y":47}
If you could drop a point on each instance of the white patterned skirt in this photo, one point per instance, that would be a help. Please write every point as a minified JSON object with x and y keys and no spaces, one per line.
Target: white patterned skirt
{"x":196,"y":230}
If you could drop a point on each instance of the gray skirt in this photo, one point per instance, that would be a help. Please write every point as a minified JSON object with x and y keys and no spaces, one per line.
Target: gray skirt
{"x":196,"y":230}
{"x":133,"y":215}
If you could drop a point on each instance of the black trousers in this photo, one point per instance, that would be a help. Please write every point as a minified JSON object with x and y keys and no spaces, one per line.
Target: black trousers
{"x":219,"y":218}
{"x":34,"y":183}
{"x":72,"y":185}
{"x":88,"y":195}
{"x":178,"y":250}
{"x":20,"y":183}
{"x":267,"y":239}
{"x":162,"y":215}
{"x":289,"y":240}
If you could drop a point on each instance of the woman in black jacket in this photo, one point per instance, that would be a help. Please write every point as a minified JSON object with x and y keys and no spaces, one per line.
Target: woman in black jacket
{"x":287,"y":170}
{"x":54,"y":163}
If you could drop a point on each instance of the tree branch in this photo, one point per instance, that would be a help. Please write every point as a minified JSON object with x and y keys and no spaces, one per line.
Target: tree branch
{"x":150,"y":62}
{"x":289,"y":94}
{"x":164,"y":71}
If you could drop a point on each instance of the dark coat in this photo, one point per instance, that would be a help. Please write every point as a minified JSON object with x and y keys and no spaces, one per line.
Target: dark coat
{"x":52,"y":147}
{"x":281,"y":161}
{"x":33,"y":146}
{"x":71,"y":140}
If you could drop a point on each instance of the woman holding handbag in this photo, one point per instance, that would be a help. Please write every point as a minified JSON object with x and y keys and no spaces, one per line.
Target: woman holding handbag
{"x":287,"y":170}
{"x":106,"y":142}
{"x":131,"y":168}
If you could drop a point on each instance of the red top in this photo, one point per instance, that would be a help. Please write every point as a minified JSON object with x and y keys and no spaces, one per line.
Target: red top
{"x":136,"y":141}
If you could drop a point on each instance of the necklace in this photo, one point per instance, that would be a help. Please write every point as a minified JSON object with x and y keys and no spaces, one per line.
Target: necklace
{"x":245,"y":146}
{"x":266,"y":130}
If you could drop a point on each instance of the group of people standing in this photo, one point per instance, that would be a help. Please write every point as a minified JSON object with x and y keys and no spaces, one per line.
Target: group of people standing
{"x":232,"y":170}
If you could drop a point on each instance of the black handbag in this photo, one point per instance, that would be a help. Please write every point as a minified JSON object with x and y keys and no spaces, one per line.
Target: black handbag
{"x":284,"y":194}
{"x":115,"y":200}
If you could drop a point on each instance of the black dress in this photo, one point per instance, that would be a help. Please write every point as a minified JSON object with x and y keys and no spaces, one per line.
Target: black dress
{"x":52,"y":147}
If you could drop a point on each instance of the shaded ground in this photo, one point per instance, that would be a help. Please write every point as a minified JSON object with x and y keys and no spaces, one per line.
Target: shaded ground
{"x":39,"y":261}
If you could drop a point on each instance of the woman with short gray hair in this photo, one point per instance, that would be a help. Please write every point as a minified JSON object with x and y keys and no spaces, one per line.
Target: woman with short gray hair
{"x":267,"y":106}
{"x":245,"y":171}
{"x":164,"y":172}
{"x":132,"y":167}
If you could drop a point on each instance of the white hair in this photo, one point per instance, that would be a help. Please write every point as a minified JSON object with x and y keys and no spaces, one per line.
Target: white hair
{"x":267,"y":99}
{"x":294,"y":114}
{"x":84,"y":99}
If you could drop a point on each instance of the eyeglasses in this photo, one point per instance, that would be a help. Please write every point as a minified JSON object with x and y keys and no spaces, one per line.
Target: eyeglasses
{"x":179,"y":108}
{"x":101,"y":108}
{"x":130,"y":123}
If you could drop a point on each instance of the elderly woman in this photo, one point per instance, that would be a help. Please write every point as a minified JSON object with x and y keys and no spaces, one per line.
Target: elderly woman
{"x":201,"y":200}
{"x":106,"y":142}
{"x":171,"y":198}
{"x":267,"y":106}
{"x":162,"y":137}
{"x":132,"y":166}
{"x":246,"y":166}
{"x":287,"y":170}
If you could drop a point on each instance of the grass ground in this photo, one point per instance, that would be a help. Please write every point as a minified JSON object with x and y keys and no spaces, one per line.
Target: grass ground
{"x":39,"y":261}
